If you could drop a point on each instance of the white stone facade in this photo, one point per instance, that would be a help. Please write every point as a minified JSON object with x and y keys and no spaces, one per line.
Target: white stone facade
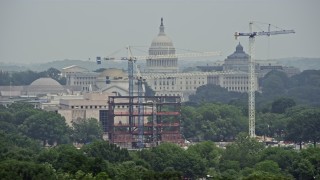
{"x":162,"y":45}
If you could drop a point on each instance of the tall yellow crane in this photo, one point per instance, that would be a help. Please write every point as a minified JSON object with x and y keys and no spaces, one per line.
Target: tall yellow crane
{"x":252,"y":85}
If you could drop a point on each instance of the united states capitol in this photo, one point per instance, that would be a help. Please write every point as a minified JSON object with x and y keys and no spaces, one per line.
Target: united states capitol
{"x":85,"y":93}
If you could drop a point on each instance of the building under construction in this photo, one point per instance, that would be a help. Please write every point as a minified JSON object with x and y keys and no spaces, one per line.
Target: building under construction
{"x":140,"y":121}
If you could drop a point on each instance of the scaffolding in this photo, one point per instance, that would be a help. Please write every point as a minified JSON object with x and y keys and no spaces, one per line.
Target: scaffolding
{"x":144,"y":121}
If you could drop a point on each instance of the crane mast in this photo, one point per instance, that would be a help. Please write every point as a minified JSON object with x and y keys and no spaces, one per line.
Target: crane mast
{"x":252,"y":74}
{"x":131,"y":61}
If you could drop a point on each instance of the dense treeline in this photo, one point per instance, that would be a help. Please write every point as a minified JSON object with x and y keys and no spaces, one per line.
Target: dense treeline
{"x":27,"y":136}
{"x":27,"y":77}
{"x":35,"y":144}
{"x":221,"y":122}
{"x":303,"y":88}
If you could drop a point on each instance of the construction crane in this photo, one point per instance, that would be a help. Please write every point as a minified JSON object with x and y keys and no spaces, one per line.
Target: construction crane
{"x":131,"y":61}
{"x":252,"y":75}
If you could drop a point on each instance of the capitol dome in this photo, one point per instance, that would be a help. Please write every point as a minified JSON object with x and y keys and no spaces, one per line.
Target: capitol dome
{"x":162,"y":39}
{"x":162,"y":45}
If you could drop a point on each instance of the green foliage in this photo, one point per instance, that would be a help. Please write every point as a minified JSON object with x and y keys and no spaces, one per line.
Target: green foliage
{"x":5,"y":78}
{"x":280,"y":105}
{"x":215,"y":122}
{"x":261,"y":175}
{"x":275,"y":83}
{"x":65,"y":158}
{"x":303,"y":125}
{"x":86,"y":130}
{"x":6,"y":117}
{"x":207,"y":151}
{"x":244,"y":150}
{"x":302,"y":169}
{"x":149,"y":91}
{"x":19,"y":106}
{"x":171,"y":155}
{"x":214,"y":93}
{"x":48,"y":127}
{"x":106,"y":151}
{"x":307,"y":78}
{"x":302,"y":88}
{"x":13,"y":169}
{"x":23,"y":78}
{"x":268,"y":166}
{"x":270,"y":124}
{"x":23,"y":157}
{"x":27,"y":77}
{"x":283,"y":157}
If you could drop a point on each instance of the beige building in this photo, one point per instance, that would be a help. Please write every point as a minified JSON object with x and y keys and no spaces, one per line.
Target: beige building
{"x":72,"y":70}
{"x":92,"y":105}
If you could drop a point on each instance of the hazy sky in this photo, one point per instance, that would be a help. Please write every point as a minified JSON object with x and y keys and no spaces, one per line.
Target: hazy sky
{"x":48,"y":30}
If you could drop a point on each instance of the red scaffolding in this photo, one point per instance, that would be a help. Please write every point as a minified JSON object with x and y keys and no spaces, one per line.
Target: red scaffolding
{"x":151,"y":121}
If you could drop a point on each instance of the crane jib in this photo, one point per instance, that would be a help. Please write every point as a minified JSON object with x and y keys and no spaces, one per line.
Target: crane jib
{"x":264,"y":33}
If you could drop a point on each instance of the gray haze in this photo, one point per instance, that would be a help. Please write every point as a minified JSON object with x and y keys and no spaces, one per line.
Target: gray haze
{"x":48,"y":30}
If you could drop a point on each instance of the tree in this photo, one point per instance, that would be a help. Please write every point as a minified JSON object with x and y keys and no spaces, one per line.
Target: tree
{"x":302,"y":169}
{"x":13,"y":169}
{"x":266,"y":176}
{"x":280,"y":105}
{"x":49,"y":127}
{"x":171,"y":155}
{"x":274,"y":83}
{"x":245,"y":150}
{"x":13,"y":145}
{"x":208,"y":151}
{"x":303,"y":125}
{"x":313,"y":156}
{"x":307,"y":78}
{"x":216,"y":122}
{"x":65,"y":158}
{"x":106,"y":151}
{"x":6,"y":117}
{"x":268,"y":166}
{"x":149,"y":91}
{"x":283,"y":157}
{"x":215,"y":94}
{"x":191,"y":122}
{"x":86,"y":130}
{"x":270,"y":124}
{"x":54,"y":74}
{"x":24,"y":77}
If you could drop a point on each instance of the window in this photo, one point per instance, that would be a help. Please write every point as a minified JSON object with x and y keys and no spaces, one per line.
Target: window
{"x":103,"y":118}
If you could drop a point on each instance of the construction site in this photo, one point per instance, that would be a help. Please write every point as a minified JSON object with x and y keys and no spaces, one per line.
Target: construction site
{"x":136,"y":122}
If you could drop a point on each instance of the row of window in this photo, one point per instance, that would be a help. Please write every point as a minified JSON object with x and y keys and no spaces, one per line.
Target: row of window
{"x":168,"y":94}
{"x":187,"y":87}
{"x":172,"y":83}
{"x":235,"y":82}
{"x":85,"y":78}
{"x":238,"y":88}
{"x":237,"y":77}
{"x":89,"y":107}
{"x":83,"y":83}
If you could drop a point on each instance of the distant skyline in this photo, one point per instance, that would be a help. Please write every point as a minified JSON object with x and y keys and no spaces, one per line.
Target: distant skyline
{"x":35,"y":31}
